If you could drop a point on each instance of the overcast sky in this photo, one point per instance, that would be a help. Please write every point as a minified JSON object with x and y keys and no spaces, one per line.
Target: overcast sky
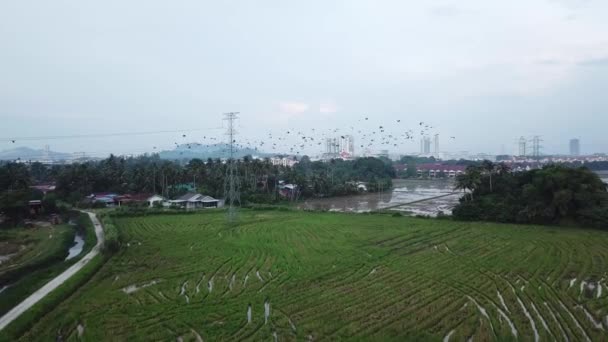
{"x":484,"y":71}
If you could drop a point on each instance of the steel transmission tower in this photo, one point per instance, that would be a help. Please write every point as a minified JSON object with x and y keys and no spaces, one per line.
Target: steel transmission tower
{"x":522,"y":147}
{"x":232,"y":194}
{"x":536,"y":146}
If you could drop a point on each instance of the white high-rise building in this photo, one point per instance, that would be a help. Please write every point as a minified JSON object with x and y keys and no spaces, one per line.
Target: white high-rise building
{"x":347,"y":146}
{"x":575,"y":147}
{"x":340,"y":147}
{"x":425,"y":145}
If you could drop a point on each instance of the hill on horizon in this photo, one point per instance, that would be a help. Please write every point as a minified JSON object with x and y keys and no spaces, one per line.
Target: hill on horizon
{"x":27,"y":153}
{"x":194,"y":150}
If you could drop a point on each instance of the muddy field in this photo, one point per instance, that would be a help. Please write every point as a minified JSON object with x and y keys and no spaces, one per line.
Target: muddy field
{"x":293,"y":275}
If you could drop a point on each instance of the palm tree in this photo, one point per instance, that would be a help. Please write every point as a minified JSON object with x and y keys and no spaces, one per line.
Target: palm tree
{"x":502,"y":168}
{"x":488,"y":168}
{"x":462,"y":183}
{"x":470,"y":180}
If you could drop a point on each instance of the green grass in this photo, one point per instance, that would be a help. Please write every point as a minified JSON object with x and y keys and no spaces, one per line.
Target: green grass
{"x":40,"y":255}
{"x":30,"y":246}
{"x":338,"y":276}
{"x":48,"y":303}
{"x":40,"y":259}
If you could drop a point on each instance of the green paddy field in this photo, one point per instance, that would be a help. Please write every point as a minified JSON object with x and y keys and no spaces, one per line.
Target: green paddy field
{"x":292,"y":275}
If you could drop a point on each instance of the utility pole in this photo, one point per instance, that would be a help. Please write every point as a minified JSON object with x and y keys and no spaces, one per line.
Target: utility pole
{"x":231,"y":181}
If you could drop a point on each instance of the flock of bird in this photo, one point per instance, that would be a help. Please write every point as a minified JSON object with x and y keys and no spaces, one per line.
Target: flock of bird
{"x":367,"y":134}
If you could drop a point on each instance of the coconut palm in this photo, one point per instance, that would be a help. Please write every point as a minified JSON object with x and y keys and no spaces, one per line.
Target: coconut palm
{"x":470,"y":180}
{"x":488,"y":168}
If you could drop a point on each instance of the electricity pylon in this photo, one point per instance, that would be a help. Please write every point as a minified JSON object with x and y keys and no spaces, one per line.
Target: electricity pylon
{"x":232,"y":193}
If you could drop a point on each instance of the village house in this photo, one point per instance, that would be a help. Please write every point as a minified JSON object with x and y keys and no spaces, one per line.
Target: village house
{"x":283,"y":161}
{"x":152,"y":200}
{"x":130,"y":199}
{"x":45,"y":188}
{"x":194,"y":201}
{"x":35,"y":206}
{"x":106,"y":198}
{"x":437,"y":169}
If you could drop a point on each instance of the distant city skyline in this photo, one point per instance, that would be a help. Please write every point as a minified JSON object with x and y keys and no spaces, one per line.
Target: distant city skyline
{"x":339,"y":147}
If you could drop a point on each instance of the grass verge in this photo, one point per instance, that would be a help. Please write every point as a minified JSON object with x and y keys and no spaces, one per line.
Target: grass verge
{"x":26,"y":279}
{"x":22,"y":324}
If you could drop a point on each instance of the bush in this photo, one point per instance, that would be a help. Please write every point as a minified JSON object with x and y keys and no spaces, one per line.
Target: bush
{"x":98,"y":205}
{"x":266,"y":207}
{"x":112,"y":238}
{"x":49,"y":203}
{"x":596,"y":217}
{"x":552,"y":195}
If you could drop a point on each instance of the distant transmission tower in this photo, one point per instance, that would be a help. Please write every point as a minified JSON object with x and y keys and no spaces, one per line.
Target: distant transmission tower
{"x":231,"y":181}
{"x":536,"y":146}
{"x":522,"y":144}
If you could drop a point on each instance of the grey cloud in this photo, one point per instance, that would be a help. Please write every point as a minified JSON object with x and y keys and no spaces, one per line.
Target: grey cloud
{"x":571,"y":4}
{"x":598,"y":62}
{"x":549,"y":62}
{"x":445,"y":11}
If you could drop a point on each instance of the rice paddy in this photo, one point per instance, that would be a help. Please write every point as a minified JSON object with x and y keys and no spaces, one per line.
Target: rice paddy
{"x":289,"y":275}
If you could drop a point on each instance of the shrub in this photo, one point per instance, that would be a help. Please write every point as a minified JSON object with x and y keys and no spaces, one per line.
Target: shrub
{"x":112,"y":238}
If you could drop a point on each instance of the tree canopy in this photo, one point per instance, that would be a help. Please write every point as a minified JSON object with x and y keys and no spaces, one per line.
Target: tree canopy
{"x":553,"y":194}
{"x":259,"y":178}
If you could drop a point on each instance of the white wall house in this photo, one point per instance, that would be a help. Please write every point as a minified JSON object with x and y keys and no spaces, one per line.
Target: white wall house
{"x":195,"y":201}
{"x":155,"y":199}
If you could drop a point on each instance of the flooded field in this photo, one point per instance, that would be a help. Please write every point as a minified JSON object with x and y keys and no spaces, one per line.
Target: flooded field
{"x":603,"y":175}
{"x":417,"y":197}
{"x":412,"y":197}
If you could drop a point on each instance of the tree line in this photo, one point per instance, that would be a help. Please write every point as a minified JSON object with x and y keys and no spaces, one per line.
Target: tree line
{"x":260,"y":181}
{"x":555,"y":194}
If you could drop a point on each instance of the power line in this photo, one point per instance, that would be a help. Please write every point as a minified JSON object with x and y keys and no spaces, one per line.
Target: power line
{"x":102,"y":135}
